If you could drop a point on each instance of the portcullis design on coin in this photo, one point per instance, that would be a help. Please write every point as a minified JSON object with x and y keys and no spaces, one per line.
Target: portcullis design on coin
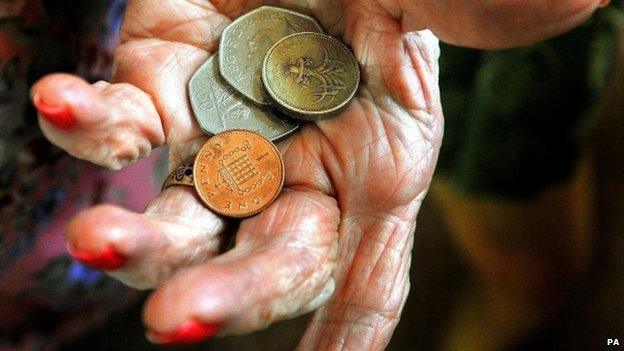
{"x":246,"y":41}
{"x":238,"y":173}
{"x":310,"y":75}
{"x":218,"y":107}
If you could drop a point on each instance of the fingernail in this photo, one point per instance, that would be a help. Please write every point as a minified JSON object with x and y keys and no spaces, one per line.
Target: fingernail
{"x":189,"y":333}
{"x":604,"y":3}
{"x":59,"y":116}
{"x":108,"y":259}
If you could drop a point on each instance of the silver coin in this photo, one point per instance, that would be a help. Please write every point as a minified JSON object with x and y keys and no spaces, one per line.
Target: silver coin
{"x":218,"y":107}
{"x":247,"y":40}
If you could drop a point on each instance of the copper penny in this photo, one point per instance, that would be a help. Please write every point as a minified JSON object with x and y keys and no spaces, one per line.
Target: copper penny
{"x":238,"y":173}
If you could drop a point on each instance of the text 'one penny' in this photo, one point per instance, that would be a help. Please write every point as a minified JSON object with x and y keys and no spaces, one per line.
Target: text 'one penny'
{"x":238,"y":173}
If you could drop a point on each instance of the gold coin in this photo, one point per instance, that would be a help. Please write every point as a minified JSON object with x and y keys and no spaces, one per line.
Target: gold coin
{"x":310,"y":75}
{"x":238,"y":173}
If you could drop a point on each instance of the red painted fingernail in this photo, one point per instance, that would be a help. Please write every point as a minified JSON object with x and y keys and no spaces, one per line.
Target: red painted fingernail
{"x":59,"y":116}
{"x":108,"y":259}
{"x":189,"y":333}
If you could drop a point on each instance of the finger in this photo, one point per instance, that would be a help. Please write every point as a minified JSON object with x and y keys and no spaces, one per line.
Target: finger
{"x":115,"y":124}
{"x":281,"y":267}
{"x":495,"y":24}
{"x":374,"y":274}
{"x":109,"y":124}
{"x":142,"y":250}
{"x":162,"y":70}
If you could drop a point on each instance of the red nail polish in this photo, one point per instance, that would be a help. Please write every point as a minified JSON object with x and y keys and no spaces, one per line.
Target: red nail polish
{"x":59,"y":116}
{"x":188,"y":333}
{"x":108,"y":259}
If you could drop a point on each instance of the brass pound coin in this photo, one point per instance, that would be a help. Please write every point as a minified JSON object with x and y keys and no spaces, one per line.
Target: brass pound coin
{"x":246,"y":41}
{"x":218,"y":107}
{"x":310,"y":75}
{"x":238,"y":173}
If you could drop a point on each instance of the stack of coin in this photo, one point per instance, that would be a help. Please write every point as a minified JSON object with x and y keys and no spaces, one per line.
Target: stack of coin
{"x":274,"y":68}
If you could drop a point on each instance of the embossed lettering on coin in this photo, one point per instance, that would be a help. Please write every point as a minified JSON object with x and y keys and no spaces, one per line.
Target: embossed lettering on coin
{"x":310,"y":75}
{"x":238,"y":173}
{"x":218,"y":107}
{"x":246,"y":41}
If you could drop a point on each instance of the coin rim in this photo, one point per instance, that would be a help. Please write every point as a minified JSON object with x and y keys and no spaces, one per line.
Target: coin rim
{"x":273,"y":198}
{"x":223,"y":44}
{"x":239,"y":96}
{"x":300,"y":113}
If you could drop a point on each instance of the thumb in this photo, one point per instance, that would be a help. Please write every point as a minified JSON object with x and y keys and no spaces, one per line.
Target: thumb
{"x":496,"y":24}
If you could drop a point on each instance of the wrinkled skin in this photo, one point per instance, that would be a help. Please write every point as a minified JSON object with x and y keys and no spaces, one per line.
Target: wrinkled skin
{"x":339,"y":237}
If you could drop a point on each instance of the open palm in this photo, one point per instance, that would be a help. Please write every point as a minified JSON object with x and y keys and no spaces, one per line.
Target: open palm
{"x":339,"y":237}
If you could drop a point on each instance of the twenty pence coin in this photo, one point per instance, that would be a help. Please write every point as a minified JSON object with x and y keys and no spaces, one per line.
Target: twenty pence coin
{"x":238,"y":173}
{"x":218,"y":107}
{"x":311,"y":75}
{"x":246,"y":41}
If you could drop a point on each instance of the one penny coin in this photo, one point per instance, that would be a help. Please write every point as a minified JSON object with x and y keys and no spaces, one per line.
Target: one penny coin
{"x":310,"y":75}
{"x":238,"y":173}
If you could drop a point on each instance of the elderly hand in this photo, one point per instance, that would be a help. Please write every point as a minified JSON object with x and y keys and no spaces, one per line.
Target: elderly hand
{"x":338,"y":239}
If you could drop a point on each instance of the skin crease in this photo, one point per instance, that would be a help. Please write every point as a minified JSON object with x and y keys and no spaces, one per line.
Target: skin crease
{"x":353,"y":187}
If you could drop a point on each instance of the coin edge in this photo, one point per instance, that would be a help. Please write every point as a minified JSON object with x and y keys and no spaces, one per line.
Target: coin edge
{"x":210,"y":134}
